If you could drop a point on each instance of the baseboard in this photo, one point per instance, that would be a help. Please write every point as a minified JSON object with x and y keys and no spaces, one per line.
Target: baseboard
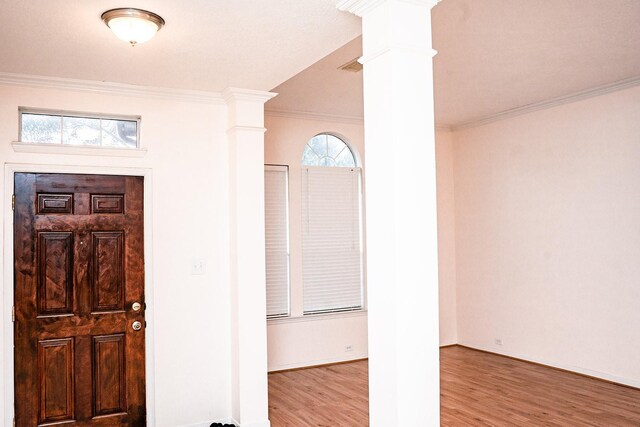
{"x":229,"y":421}
{"x":208,"y":423}
{"x":596,"y":375}
{"x":203,"y":424}
{"x":448,"y":345}
{"x":317,"y":363}
{"x":258,"y":424}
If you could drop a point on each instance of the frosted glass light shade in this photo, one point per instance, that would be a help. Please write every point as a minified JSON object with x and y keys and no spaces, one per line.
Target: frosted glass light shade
{"x":134,"y":26}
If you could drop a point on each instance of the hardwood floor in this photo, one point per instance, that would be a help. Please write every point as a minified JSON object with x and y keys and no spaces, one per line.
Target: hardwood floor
{"x":335,"y":395}
{"x":477,"y":389}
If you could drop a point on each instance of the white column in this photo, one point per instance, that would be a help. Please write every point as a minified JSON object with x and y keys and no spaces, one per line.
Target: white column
{"x":402,"y":274}
{"x":248,"y":288}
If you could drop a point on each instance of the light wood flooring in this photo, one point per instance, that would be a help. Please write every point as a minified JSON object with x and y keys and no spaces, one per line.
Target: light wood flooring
{"x":477,"y":389}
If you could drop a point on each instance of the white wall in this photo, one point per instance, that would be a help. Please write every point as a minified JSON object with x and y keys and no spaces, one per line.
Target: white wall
{"x":310,"y":340}
{"x":307,"y":341}
{"x":548,"y":236}
{"x":187,"y":152}
{"x":446,"y":237}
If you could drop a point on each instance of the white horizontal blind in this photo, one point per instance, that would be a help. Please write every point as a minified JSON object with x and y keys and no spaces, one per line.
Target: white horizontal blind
{"x":331,"y":254}
{"x":276,"y":240}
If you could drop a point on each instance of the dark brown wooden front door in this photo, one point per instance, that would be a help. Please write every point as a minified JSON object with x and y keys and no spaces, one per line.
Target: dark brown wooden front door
{"x":79,"y":270}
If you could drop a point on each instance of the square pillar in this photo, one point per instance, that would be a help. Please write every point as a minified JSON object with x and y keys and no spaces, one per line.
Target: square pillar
{"x":249,"y":392}
{"x":402,"y":265}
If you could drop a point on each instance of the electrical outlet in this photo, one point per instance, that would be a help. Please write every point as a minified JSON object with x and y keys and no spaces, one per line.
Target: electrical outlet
{"x":498,"y":341}
{"x":198,"y":267}
{"x":348,"y":348}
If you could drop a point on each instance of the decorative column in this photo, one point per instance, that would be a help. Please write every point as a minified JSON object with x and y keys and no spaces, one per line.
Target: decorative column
{"x":402,"y":274}
{"x":248,"y":285}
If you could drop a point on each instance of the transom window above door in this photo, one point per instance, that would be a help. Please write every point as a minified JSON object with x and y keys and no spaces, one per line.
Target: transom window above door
{"x":327,"y":150}
{"x":78,"y":129}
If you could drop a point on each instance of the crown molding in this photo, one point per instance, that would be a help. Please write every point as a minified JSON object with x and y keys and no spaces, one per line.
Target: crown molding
{"x":237,"y":129}
{"x":334,"y":118}
{"x":362,"y":7}
{"x":358,"y":7}
{"x":425,"y":51}
{"x":235,"y":94}
{"x":307,"y":115}
{"x":549,"y":103}
{"x":108,"y":88}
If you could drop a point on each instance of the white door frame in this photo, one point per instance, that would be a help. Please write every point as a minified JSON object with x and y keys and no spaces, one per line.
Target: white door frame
{"x":6,"y":309}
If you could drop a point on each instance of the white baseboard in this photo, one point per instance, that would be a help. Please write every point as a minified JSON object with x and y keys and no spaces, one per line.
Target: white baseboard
{"x":575,"y":369}
{"x":208,"y":423}
{"x":203,"y":424}
{"x":258,"y":424}
{"x":266,"y":423}
{"x":317,"y":362}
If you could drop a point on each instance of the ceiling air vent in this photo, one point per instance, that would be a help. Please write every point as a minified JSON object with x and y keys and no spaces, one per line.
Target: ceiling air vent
{"x":354,"y":66}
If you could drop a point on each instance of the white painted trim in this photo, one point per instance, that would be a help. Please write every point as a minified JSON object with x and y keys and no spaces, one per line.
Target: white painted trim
{"x":575,"y":369}
{"x":358,"y":7}
{"x":258,"y":424}
{"x":319,"y":362}
{"x":234,"y":93}
{"x":427,"y":52}
{"x":204,"y":424}
{"x":307,"y":115}
{"x":208,"y":423}
{"x":34,"y":148}
{"x":7,"y":324}
{"x":317,"y":317}
{"x":549,"y":103}
{"x":258,"y":129}
{"x":108,"y":88}
{"x":332,"y":118}
{"x":362,"y":7}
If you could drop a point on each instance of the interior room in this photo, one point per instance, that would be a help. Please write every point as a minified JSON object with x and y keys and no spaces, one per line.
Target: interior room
{"x":487,"y":157}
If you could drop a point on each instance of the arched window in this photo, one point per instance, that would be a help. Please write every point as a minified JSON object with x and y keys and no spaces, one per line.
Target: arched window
{"x":331,"y":227}
{"x":327,"y":150}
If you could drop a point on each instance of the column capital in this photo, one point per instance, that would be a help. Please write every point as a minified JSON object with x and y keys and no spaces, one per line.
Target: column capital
{"x":231,"y":94}
{"x":362,"y":7}
{"x":246,"y":108}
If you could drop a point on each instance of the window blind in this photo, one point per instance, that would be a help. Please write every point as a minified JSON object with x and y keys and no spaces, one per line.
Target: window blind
{"x":276,"y":240}
{"x":331,"y":257}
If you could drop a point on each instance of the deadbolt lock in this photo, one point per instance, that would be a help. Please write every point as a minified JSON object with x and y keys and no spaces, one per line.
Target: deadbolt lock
{"x":136,"y":306}
{"x":136,"y":326}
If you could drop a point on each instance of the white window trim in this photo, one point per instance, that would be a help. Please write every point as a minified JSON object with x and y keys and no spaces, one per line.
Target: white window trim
{"x":360,"y":312}
{"x":77,"y":150}
{"x":285,"y":169}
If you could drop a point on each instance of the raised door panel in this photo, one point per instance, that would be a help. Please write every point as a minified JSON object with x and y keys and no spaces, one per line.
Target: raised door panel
{"x":107,"y":272}
{"x":55,"y":273}
{"x":107,"y":203}
{"x":109,"y":379}
{"x":56,"y":373}
{"x":55,"y":204}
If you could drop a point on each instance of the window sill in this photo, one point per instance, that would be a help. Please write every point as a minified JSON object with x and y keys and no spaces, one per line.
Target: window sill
{"x":317,"y":317}
{"x":23,"y":147}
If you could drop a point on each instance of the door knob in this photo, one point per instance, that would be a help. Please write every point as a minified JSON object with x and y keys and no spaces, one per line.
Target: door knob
{"x":136,"y":325}
{"x":136,"y":306}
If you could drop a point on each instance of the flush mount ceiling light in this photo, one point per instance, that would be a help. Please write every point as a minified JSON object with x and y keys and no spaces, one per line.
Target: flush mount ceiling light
{"x":134,"y":26}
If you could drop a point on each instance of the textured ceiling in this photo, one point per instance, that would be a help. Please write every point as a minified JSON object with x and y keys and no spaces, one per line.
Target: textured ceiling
{"x":323,"y":88}
{"x":493,"y":56}
{"x":205,"y":45}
